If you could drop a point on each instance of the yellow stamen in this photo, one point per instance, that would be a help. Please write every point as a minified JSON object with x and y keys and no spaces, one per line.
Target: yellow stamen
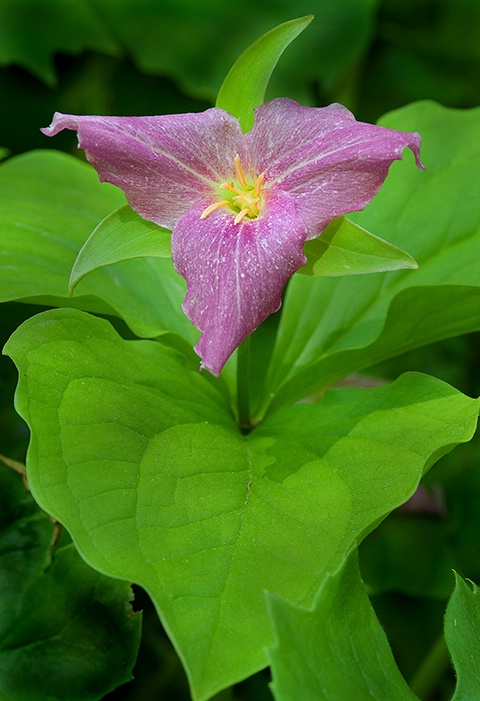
{"x":212,"y":208}
{"x":228,"y":186}
{"x":241,"y":215}
{"x":239,"y":171}
{"x":258,"y":186}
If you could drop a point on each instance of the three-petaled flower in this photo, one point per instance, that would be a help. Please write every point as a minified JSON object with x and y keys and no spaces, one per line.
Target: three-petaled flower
{"x":240,"y":206}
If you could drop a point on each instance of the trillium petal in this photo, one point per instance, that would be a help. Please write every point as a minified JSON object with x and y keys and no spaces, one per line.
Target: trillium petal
{"x":235,"y":273}
{"x":282,"y":126}
{"x":163,"y":164}
{"x":330,"y":163}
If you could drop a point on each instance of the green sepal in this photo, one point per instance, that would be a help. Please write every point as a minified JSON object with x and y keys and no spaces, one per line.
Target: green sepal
{"x":122,"y":235}
{"x":244,"y":87}
{"x":345,"y":248}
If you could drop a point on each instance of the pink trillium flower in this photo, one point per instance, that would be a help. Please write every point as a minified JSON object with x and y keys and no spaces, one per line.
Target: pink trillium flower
{"x":240,"y":206}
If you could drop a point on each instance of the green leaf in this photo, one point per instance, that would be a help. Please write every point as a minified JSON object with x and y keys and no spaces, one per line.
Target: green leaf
{"x":332,"y":327}
{"x":70,"y":27}
{"x":345,"y":248}
{"x":122,"y":235}
{"x":244,"y":87}
{"x":141,"y":460}
{"x":335,"y":651}
{"x":462,"y":634}
{"x":67,"y":633}
{"x":49,"y":205}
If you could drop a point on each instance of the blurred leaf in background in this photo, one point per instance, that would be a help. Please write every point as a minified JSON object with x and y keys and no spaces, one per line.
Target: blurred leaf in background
{"x":422,"y":49}
{"x":66,"y":631}
{"x":33,"y":31}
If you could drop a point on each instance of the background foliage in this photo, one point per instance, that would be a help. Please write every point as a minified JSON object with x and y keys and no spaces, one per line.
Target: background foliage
{"x":167,"y":56}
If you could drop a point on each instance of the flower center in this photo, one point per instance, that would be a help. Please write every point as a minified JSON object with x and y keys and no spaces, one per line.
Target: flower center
{"x":244,"y":198}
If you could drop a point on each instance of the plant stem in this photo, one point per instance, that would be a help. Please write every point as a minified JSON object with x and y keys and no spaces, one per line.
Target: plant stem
{"x":427,"y":676}
{"x":243,"y":386}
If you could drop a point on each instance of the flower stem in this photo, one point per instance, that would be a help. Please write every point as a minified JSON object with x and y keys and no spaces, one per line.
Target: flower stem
{"x":243,"y":386}
{"x":430,"y":671}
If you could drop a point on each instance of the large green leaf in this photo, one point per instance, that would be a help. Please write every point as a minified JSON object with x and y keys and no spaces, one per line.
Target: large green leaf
{"x":49,"y":205}
{"x":67,"y":633}
{"x":335,"y":651}
{"x":331,"y":327}
{"x":244,"y":87}
{"x":141,"y":460}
